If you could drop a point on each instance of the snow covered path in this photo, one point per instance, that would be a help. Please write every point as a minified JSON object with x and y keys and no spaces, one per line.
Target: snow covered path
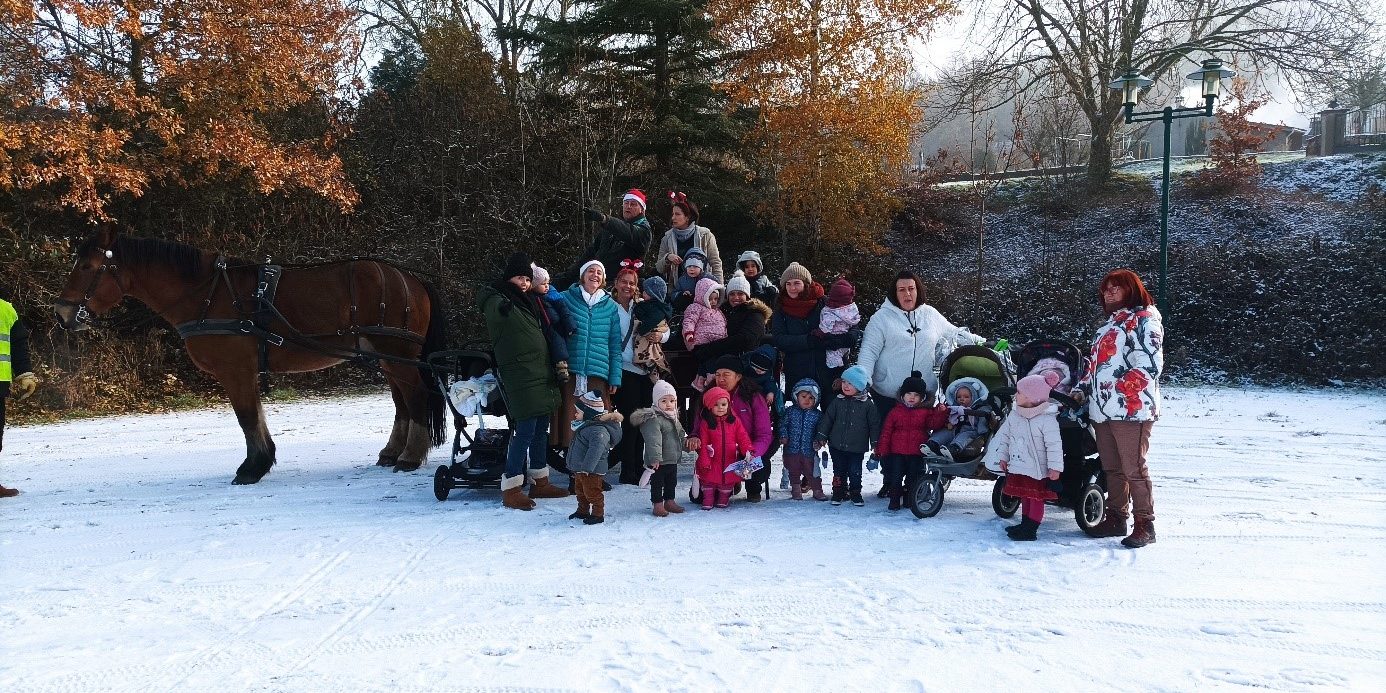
{"x":130,"y":563}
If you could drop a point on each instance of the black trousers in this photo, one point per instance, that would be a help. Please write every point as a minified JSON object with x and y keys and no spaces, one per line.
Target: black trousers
{"x":2,"y":420}
{"x":663,"y":483}
{"x":636,"y":392}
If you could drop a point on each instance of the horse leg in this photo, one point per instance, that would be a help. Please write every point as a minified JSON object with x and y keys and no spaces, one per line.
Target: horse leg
{"x":399,"y":434}
{"x":244,"y":393}
{"x":406,"y":381}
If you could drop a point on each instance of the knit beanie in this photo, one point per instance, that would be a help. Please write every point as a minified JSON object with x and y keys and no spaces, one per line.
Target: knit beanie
{"x":841,"y":294}
{"x":915,"y":383}
{"x":796,"y":271}
{"x":1034,"y":388}
{"x":751,"y":256}
{"x":858,"y":377}
{"x":739,"y":283}
{"x":761,"y":360}
{"x":541,"y":275}
{"x":517,"y":265}
{"x":656,"y":287}
{"x":731,"y":363}
{"x":713,"y":395}
{"x":695,"y":257}
{"x":806,"y":385}
{"x":662,"y":388}
{"x":588,"y":265}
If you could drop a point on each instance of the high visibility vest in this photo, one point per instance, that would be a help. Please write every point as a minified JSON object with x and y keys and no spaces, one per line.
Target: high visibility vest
{"x":8,"y":317}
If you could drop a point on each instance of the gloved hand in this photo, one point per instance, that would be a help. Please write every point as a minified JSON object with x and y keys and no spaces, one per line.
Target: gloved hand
{"x":592,"y":214}
{"x":505,"y":306}
{"x":1079,"y":397}
{"x":874,"y":463}
{"x":24,"y":385}
{"x":823,"y":459}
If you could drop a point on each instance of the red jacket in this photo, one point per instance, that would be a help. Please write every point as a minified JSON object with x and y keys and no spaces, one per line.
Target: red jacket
{"x":723,"y":445}
{"x":906,"y":428}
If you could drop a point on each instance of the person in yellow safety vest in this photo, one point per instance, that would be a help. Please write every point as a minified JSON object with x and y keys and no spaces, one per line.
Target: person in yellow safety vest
{"x":14,"y":358}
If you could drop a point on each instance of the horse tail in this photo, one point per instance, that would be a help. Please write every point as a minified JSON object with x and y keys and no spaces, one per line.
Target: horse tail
{"x":435,"y":339}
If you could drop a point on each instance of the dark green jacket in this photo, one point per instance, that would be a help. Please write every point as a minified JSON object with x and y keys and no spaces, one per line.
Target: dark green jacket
{"x":521,"y":352}
{"x":850,"y":424}
{"x":617,"y":240}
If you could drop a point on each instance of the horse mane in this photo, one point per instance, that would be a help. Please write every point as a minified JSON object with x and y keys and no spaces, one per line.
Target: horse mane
{"x":138,"y":253}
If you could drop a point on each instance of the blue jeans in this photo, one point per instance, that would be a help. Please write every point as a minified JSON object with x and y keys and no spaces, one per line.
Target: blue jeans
{"x":530,"y":440}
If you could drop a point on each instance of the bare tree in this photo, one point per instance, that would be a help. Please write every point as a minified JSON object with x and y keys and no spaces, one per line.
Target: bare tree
{"x":1085,"y":43}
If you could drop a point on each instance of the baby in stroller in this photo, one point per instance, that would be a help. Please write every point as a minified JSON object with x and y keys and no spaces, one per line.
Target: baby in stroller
{"x":969,"y":420}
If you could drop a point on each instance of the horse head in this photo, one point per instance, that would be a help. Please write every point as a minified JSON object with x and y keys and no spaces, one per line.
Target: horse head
{"x":92,"y":287}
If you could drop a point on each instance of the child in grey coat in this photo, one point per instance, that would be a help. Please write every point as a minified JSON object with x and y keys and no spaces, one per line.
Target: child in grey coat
{"x":596,"y":432}
{"x":964,"y":396}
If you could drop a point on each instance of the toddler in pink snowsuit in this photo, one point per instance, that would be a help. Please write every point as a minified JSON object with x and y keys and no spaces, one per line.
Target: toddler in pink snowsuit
{"x":724,"y":441}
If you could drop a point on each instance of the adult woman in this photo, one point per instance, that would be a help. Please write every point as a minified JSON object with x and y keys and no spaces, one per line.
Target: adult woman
{"x":684,"y":234}
{"x":513,"y":318}
{"x":761,"y":287}
{"x":746,"y":322}
{"x":1122,"y":391}
{"x":637,"y":390}
{"x":594,"y":351}
{"x":795,"y":317}
{"x":749,"y":407}
{"x":906,"y":335}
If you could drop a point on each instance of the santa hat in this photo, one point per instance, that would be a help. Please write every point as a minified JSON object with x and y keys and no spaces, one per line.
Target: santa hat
{"x":635,"y":194}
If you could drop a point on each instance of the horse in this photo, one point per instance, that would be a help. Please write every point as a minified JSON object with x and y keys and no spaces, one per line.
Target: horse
{"x":237,"y":326}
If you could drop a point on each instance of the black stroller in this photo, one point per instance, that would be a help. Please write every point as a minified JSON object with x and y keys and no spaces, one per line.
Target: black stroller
{"x":478,"y":459}
{"x":1084,"y":484}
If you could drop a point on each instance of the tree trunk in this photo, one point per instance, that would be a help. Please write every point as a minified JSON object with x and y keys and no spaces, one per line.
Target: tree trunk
{"x":1100,"y":154}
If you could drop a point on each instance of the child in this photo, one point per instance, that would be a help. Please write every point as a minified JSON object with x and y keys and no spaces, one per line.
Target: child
{"x":964,"y":396}
{"x":704,"y":322}
{"x":839,"y":316}
{"x":903,"y":434}
{"x":800,"y":425}
{"x":690,"y":273}
{"x":761,"y":363}
{"x":724,"y":442}
{"x":596,"y":432}
{"x":659,"y":426}
{"x":847,"y":428}
{"x":1030,"y":453}
{"x":652,"y":315}
{"x":558,"y":326}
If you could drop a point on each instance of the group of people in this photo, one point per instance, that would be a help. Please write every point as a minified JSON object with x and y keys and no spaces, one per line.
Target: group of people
{"x":583,"y":369}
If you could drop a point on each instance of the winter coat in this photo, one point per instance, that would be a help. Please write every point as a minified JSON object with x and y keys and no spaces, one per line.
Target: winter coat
{"x":800,"y":426}
{"x":722,"y":445}
{"x":761,"y":287}
{"x":703,"y":240}
{"x":1028,"y":441}
{"x":521,"y":352}
{"x":897,"y":342}
{"x":838,"y":321}
{"x":755,"y":418}
{"x":559,"y":322}
{"x":13,"y":329}
{"x":803,"y":352}
{"x":1124,"y":367}
{"x":595,"y":349}
{"x":701,"y":320}
{"x":663,"y":436}
{"x":973,"y":425}
{"x":649,"y":314}
{"x":616,"y":240}
{"x":592,"y":444}
{"x":850,"y":424}
{"x":906,"y":428}
{"x":745,"y":330}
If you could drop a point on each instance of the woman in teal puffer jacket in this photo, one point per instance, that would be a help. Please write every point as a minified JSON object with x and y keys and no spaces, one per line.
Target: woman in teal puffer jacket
{"x":594,"y":351}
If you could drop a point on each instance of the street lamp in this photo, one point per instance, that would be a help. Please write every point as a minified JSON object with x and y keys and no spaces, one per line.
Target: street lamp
{"x":1130,"y":86}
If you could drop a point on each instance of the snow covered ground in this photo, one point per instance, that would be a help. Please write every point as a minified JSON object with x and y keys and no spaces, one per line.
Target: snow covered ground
{"x":130,"y":563}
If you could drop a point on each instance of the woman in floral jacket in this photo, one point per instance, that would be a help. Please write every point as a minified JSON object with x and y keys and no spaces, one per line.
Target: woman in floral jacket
{"x":1122,"y":390}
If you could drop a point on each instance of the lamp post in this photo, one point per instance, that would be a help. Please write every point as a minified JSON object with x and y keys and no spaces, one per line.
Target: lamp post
{"x":1130,"y":85}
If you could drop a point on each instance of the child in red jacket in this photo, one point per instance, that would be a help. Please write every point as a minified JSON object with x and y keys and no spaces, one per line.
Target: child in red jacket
{"x":906,"y":428}
{"x":724,"y":441}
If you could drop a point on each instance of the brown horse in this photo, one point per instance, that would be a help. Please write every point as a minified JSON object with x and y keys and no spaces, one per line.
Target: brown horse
{"x":326,"y":314}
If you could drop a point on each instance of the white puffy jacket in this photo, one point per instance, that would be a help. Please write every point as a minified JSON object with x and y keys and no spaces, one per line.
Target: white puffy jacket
{"x":1124,"y":367}
{"x":1028,"y":441}
{"x":897,"y":342}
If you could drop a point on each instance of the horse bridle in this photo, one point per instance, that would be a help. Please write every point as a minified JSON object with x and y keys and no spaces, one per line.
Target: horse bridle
{"x":83,"y":315}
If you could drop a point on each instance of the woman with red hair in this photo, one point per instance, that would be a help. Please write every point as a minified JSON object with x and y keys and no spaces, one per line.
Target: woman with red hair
{"x":1122,"y":391}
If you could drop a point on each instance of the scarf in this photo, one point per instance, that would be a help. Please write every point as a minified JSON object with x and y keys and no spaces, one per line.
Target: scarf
{"x":673,"y":416}
{"x":594,"y":298}
{"x":803,"y":305}
{"x":686,"y":233}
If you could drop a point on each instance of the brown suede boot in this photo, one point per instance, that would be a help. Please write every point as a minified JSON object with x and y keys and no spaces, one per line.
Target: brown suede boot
{"x":1110,"y":526}
{"x":542,"y":488}
{"x":1142,"y":535}
{"x":816,"y":483}
{"x":598,"y":499}
{"x":513,"y":493}
{"x":584,"y":506}
{"x":672,"y":507}
{"x":659,"y":510}
{"x":8,"y":492}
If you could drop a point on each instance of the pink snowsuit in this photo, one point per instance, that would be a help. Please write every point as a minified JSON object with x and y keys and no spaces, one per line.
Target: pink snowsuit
{"x":722,"y":445}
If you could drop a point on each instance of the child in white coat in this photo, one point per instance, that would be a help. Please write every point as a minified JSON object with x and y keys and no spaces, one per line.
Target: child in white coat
{"x":1030,"y":453}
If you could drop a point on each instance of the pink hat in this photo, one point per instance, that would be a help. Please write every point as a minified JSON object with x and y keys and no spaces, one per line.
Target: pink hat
{"x":714,"y":395}
{"x":1033,"y":388}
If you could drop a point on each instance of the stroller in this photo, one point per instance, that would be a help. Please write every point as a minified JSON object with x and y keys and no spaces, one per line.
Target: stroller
{"x":466,"y":377}
{"x":1084,"y":484}
{"x":924,"y":497}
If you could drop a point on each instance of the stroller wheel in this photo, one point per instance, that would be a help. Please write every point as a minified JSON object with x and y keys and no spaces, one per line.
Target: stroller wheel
{"x":442,"y":482}
{"x":925,"y":498}
{"x":1004,"y":505}
{"x":1091,"y":508}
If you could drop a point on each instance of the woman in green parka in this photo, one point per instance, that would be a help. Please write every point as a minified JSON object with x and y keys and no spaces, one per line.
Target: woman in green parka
{"x":515,"y":320}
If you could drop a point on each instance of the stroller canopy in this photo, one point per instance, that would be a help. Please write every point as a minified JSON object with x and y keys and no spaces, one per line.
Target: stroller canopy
{"x":975,"y":361}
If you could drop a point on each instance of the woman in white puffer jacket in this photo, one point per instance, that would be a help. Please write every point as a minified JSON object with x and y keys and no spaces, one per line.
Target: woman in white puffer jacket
{"x":906,"y":334}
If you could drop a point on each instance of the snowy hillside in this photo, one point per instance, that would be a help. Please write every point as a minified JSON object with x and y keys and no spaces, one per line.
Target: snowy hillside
{"x":130,"y":563}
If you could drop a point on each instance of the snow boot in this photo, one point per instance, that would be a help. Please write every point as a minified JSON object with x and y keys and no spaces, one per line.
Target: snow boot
{"x":513,"y":493}
{"x":857,"y":500}
{"x":1111,"y":526}
{"x":594,"y":494}
{"x":584,"y":506}
{"x":839,"y":491}
{"x":672,"y":507}
{"x":659,"y":510}
{"x":8,"y":492}
{"x":542,"y":487}
{"x":753,"y":493}
{"x":895,"y":496}
{"x":816,"y":485}
{"x":1025,"y":531}
{"x":884,"y":492}
{"x":723,"y":498}
{"x":1142,"y":535}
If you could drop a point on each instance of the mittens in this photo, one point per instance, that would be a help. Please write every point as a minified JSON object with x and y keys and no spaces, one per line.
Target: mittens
{"x":591,"y":214}
{"x":873,"y":464}
{"x":823,"y":459}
